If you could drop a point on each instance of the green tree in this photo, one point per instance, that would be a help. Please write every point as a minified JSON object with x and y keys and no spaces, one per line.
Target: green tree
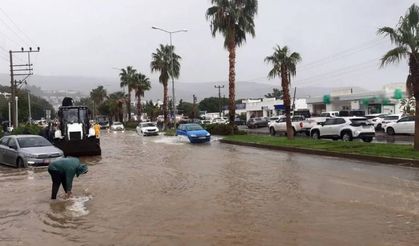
{"x":210,"y":104}
{"x":38,"y":106}
{"x":284,"y":65}
{"x":114,"y":105}
{"x":152,"y":110}
{"x":276,"y":93}
{"x":406,"y":39}
{"x":97,"y":95}
{"x":141,"y":85}
{"x":128,"y":77}
{"x":233,"y":19}
{"x":162,"y":62}
{"x":186,"y":108}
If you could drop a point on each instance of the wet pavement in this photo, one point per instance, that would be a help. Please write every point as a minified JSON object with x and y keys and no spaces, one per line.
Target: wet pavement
{"x":163,"y":191}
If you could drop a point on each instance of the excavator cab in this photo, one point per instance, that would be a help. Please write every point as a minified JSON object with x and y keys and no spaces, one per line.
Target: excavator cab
{"x":75,"y":139}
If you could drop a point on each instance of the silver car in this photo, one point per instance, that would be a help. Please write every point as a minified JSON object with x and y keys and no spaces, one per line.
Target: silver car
{"x":27,"y":150}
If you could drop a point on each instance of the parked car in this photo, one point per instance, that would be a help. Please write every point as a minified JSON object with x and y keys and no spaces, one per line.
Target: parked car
{"x":238,"y":121}
{"x":194,"y":132}
{"x":308,"y":124}
{"x":377,"y":120}
{"x":257,"y":122}
{"x":390,"y":119}
{"x":147,"y":129}
{"x":117,"y":126}
{"x":222,"y":120}
{"x":302,"y":112}
{"x":27,"y":150}
{"x":347,"y":113}
{"x":280,"y":126}
{"x":206,"y":122}
{"x":405,"y":125}
{"x":273,"y":119}
{"x":345,"y":128}
{"x":330,"y":114}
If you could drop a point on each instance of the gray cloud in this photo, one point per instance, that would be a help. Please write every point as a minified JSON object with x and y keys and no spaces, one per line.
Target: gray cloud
{"x":89,"y":37}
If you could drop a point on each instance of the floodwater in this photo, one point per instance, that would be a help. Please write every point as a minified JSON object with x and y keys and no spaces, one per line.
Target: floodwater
{"x":163,"y":191}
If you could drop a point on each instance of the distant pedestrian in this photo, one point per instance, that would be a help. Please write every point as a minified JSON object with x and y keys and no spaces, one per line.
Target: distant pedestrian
{"x":62,"y":171}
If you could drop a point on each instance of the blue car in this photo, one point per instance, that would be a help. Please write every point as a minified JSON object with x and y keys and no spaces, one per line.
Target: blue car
{"x":194,"y":132}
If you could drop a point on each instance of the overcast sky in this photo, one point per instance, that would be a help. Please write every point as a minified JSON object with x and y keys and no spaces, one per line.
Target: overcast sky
{"x":336,"y":38}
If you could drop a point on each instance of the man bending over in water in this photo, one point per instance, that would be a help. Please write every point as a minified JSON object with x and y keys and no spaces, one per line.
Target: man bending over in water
{"x":62,"y":171}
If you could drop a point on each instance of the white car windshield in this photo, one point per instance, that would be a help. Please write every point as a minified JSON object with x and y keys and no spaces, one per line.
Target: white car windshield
{"x":147,"y":124}
{"x":391,"y":118}
{"x":28,"y":142}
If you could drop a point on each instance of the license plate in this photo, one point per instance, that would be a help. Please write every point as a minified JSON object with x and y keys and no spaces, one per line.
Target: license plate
{"x":202,"y":137}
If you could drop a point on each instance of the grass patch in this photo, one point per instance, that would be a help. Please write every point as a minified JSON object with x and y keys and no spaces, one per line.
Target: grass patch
{"x":360,"y":148}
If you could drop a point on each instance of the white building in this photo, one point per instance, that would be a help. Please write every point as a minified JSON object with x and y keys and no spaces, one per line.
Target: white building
{"x":268,"y":107}
{"x":379,"y":101}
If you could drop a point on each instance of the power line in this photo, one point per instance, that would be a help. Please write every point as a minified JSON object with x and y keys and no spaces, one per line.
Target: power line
{"x":17,"y":27}
{"x":332,"y":58}
{"x":13,"y":31}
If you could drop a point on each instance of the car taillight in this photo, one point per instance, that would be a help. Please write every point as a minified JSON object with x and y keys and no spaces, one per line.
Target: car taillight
{"x":301,"y":124}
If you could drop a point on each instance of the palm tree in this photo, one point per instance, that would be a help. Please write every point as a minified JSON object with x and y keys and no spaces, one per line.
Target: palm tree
{"x":127,"y":77}
{"x":162,"y":62}
{"x":142,"y":84}
{"x":284,"y":65}
{"x":406,"y":39}
{"x":97,"y":95}
{"x":115,"y":102}
{"x":233,"y":19}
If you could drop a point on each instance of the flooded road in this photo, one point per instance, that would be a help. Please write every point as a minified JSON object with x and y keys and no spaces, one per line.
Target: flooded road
{"x":161,"y":191}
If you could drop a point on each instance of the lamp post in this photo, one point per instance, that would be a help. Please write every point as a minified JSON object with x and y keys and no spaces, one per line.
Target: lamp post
{"x":171,"y":65}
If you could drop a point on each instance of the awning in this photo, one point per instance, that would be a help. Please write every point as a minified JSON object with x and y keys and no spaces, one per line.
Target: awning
{"x":279,"y":107}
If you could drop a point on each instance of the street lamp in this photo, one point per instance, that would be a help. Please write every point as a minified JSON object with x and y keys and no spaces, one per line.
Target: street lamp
{"x":172,"y":73}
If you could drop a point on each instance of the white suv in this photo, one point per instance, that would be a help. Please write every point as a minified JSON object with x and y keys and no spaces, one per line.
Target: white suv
{"x":345,"y":128}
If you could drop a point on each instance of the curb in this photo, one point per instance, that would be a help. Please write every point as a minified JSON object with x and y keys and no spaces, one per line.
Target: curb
{"x":383,"y":160}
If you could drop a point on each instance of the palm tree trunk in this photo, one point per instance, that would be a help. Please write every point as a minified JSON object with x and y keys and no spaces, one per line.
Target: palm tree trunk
{"x":129,"y":104}
{"x":165,"y":92}
{"x":287,"y":101}
{"x":139,"y":106}
{"x":414,"y":71}
{"x":232,"y":81}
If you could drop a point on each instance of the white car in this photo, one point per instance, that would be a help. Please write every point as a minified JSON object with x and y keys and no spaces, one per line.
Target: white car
{"x":117,"y":126}
{"x":280,"y":126}
{"x":345,"y":128}
{"x":222,"y":120}
{"x":330,"y":114}
{"x":147,"y":129}
{"x":390,"y":119}
{"x":405,"y":125}
{"x":377,"y":120}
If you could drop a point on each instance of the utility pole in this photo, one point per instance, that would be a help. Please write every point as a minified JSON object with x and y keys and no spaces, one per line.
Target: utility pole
{"x":219,"y":87}
{"x":18,"y":70}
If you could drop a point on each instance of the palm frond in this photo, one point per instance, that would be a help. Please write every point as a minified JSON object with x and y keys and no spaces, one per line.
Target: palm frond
{"x":394,"y":55}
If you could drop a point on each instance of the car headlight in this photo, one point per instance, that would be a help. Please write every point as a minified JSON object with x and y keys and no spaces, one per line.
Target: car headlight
{"x":208,"y":134}
{"x":193,"y":135}
{"x":28,"y":155}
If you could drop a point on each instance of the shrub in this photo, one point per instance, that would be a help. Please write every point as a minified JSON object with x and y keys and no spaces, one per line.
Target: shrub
{"x":170,"y":132}
{"x":223,"y":129}
{"x":27,"y":129}
{"x":129,"y":125}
